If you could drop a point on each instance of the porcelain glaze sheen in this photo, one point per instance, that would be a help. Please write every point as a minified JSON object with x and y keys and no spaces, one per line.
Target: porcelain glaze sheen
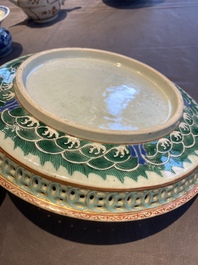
{"x":110,"y":95}
{"x":122,"y":100}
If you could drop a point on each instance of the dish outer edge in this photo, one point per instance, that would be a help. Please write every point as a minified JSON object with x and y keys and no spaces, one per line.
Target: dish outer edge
{"x":99,"y":217}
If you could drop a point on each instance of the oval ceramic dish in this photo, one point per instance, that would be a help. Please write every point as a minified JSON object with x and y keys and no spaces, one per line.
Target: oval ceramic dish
{"x":95,"y":135}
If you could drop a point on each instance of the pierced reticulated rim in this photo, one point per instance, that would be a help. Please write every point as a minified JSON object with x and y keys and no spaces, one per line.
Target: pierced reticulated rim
{"x":98,"y":95}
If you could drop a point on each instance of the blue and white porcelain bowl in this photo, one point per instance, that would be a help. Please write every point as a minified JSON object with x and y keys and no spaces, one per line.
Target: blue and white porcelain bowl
{"x":5,"y":42}
{"x":5,"y":36}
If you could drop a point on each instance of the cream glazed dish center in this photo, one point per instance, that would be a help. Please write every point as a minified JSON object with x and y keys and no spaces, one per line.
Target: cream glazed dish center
{"x":96,"y":135}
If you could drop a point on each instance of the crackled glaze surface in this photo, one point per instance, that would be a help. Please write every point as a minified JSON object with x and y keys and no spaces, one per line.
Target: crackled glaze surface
{"x":110,"y":95}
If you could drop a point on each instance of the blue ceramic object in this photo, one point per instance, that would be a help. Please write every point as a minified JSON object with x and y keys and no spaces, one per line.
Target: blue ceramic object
{"x":5,"y":42}
{"x":5,"y":36}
